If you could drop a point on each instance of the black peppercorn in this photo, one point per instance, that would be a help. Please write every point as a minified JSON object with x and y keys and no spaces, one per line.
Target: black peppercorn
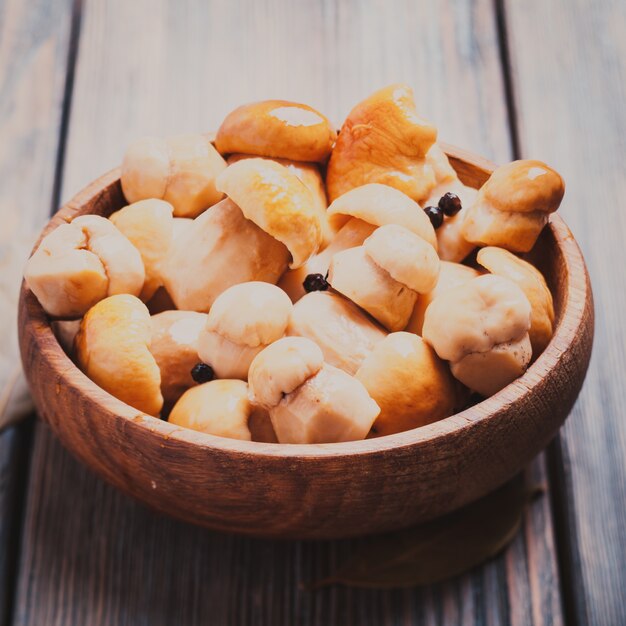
{"x":315,"y":282}
{"x":435,"y":214}
{"x":450,"y":203}
{"x":202,"y":373}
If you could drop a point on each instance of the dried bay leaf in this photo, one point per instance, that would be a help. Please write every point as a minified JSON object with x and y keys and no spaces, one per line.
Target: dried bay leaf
{"x":439,"y":549}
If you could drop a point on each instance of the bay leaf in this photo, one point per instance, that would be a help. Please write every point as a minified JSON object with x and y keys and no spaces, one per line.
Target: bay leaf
{"x":441,"y":548}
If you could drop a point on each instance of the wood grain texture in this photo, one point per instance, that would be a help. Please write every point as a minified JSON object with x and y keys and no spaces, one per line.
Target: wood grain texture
{"x":33,"y":53}
{"x":571,"y":114}
{"x":92,"y":556}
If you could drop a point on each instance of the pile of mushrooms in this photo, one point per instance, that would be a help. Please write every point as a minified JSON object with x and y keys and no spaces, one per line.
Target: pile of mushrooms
{"x":285,"y":283}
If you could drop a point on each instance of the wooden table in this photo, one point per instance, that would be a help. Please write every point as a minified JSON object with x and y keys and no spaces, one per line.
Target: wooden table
{"x":539,"y":78}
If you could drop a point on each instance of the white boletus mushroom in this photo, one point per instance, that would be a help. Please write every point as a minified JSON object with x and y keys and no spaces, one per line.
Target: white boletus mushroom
{"x":219,"y":407}
{"x":243,"y":320}
{"x":385,"y":274}
{"x":513,"y":206}
{"x":149,"y":226}
{"x":450,"y":276}
{"x":180,"y":169}
{"x":277,"y":201}
{"x":408,"y":381}
{"x":380,"y":205}
{"x":308,"y":400}
{"x":220,"y":248}
{"x":80,"y":263}
{"x":174,"y":345}
{"x":341,"y":330}
{"x":272,"y":225}
{"x":532,"y":283}
{"x":481,"y":328}
{"x":277,"y":128}
{"x":113,"y":349}
{"x":353,"y":233}
{"x":384,"y":140}
{"x":311,"y":176}
{"x":355,"y":216}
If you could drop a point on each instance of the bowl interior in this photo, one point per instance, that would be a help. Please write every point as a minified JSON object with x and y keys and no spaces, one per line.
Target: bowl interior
{"x":104,"y":196}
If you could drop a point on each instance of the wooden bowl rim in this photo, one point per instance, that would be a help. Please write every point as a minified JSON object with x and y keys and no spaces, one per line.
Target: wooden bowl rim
{"x":577,"y":293}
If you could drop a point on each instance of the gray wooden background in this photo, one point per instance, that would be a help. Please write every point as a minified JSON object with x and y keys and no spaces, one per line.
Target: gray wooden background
{"x":505,"y":78}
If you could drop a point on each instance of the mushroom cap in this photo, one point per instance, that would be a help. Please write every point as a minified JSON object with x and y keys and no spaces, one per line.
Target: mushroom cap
{"x":410,"y":384}
{"x":145,"y":169}
{"x":380,"y":205}
{"x":476,"y":316}
{"x":148,"y":225}
{"x":112,"y":348}
{"x":341,"y":330}
{"x":450,"y":276}
{"x":121,"y":260}
{"x":80,"y":263}
{"x":219,"y":407}
{"x":513,"y":206}
{"x":488,"y":372}
{"x":277,"y":128}
{"x":311,"y":176}
{"x":523,"y":186}
{"x":281,"y":367}
{"x":251,"y":314}
{"x":277,"y":201}
{"x":532,"y":283}
{"x":353,"y":233}
{"x":383,"y":140}
{"x":180,"y":169}
{"x":355,"y":275}
{"x":408,"y":258}
{"x":219,"y":249}
{"x":329,"y":407}
{"x":174,"y":345}
{"x":66,"y":277}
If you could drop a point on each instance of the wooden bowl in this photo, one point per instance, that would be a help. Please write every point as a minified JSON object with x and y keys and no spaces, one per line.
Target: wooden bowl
{"x":317,"y":491}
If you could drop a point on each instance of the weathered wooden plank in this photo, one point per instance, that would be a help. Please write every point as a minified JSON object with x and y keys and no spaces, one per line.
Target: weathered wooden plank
{"x":92,"y":556}
{"x":569,"y":62}
{"x":34,"y":39}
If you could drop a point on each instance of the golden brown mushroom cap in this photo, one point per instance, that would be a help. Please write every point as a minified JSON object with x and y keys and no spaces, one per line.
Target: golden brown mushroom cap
{"x":112,"y":348}
{"x":383,"y":140}
{"x":513,"y":206}
{"x":219,"y":407}
{"x":181,"y":170}
{"x":277,"y":128}
{"x":410,"y":384}
{"x":531,"y":281}
{"x":278,"y":202}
